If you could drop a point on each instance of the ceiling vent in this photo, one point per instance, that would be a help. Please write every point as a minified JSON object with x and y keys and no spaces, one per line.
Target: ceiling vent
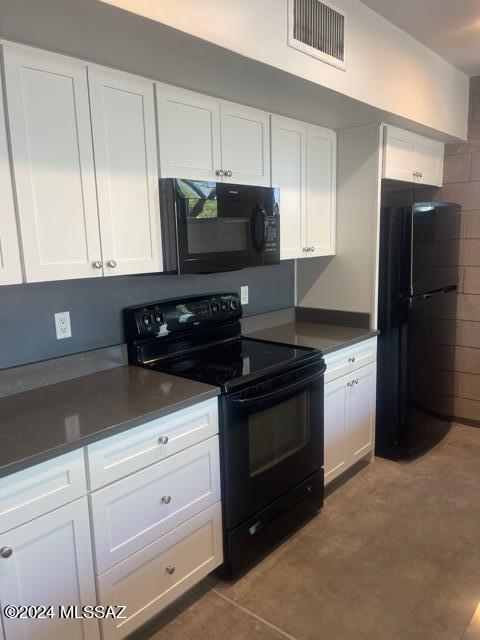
{"x":318,"y":29}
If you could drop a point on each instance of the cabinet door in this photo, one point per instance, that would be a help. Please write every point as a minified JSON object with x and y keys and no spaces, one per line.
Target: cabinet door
{"x":429,"y":161}
{"x":361,"y":414}
{"x":321,"y":191}
{"x":123,"y":125}
{"x":188,"y":134}
{"x":51,"y":563}
{"x":48,"y":112}
{"x":10,"y":267}
{"x":245,"y":145}
{"x":399,"y":154}
{"x":336,"y":428}
{"x":289,"y":152}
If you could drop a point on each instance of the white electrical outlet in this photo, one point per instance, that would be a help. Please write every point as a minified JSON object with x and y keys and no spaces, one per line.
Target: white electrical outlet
{"x":62,"y":325}
{"x":244,"y":295}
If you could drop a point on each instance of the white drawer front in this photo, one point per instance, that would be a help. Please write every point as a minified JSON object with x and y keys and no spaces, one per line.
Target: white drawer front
{"x":342,"y":362}
{"x":30,"y":493}
{"x":127,"y":452}
{"x":152,"y":578}
{"x":135,"y":511}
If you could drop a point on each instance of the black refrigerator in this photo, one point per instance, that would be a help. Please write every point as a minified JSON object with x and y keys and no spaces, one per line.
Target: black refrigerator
{"x":418,"y":280}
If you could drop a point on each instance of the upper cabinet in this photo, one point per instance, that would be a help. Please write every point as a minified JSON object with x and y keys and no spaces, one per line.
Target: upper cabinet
{"x":124,"y":143}
{"x":86,"y":173}
{"x":321,"y":191}
{"x":412,"y":158}
{"x":10,"y":267}
{"x":48,"y":113}
{"x":202,"y":138}
{"x":245,"y":134}
{"x":304,"y":167}
{"x":189,"y":134}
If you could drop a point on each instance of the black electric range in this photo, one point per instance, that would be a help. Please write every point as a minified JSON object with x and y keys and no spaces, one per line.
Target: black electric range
{"x":271,"y":414}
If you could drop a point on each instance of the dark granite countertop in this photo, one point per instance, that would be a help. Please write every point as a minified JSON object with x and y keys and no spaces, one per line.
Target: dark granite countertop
{"x":46,"y":422}
{"x":326,"y":337}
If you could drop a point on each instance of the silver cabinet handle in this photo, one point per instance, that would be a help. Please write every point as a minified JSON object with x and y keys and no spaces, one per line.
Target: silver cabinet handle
{"x":170,"y":570}
{"x":163,"y":440}
{"x":97,"y":264}
{"x":166,"y":499}
{"x":112,"y":264}
{"x":219,"y":172}
{"x":228,"y":173}
{"x":6,"y":552}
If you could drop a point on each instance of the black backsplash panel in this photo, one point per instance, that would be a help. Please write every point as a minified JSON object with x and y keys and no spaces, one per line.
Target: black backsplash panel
{"x":27,"y":328}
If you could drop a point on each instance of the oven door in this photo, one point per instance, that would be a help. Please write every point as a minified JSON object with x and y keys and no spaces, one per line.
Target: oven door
{"x":223,"y":227}
{"x":272,"y":439}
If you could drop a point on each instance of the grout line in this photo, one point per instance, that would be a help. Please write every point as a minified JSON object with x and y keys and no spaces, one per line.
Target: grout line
{"x":254,"y":615}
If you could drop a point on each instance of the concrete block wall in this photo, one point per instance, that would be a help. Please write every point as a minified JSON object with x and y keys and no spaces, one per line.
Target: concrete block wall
{"x":461,"y":179}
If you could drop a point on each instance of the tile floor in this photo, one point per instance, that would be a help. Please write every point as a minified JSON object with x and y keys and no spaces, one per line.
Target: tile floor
{"x":394,"y":555}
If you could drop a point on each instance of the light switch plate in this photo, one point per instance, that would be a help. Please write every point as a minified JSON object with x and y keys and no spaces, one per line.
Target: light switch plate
{"x":244,"y":295}
{"x":62,"y":325}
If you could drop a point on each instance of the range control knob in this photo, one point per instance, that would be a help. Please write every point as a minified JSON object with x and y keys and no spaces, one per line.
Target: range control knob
{"x":158,"y":317}
{"x":233,"y":304}
{"x":224,"y":306}
{"x":215,"y":307}
{"x":147,"y":321}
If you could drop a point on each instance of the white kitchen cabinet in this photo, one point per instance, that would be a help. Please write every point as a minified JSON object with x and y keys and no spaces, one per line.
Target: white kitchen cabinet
{"x":429,"y":161}
{"x":126,"y":170}
{"x":203,"y":138}
{"x":361,"y":412}
{"x":321,"y":191}
{"x":289,"y":157}
{"x":189,"y":134}
{"x":412,"y":158}
{"x":133,"y":512}
{"x":49,"y":120}
{"x":152,"y":578}
{"x":245,"y":135}
{"x":50,"y":563}
{"x":336,"y":428}
{"x":304,"y":167}
{"x":10,"y":265}
{"x":350,"y":407}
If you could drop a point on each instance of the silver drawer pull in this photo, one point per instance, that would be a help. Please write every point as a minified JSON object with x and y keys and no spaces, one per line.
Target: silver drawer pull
{"x":166,"y":499}
{"x":170,"y":570}
{"x":6,"y":552}
{"x":163,"y":440}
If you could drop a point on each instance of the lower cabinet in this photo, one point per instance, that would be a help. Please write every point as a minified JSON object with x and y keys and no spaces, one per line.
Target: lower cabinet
{"x":48,"y":561}
{"x":350,"y":402}
{"x":152,"y":578}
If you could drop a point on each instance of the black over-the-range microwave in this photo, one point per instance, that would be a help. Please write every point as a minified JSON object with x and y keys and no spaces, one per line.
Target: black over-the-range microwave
{"x":214,"y":226}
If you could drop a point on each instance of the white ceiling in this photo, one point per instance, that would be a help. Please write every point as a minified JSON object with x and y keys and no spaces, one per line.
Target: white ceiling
{"x":449,"y":27}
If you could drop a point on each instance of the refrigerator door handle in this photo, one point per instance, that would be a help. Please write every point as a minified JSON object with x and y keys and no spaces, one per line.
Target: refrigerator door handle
{"x":438,"y":292}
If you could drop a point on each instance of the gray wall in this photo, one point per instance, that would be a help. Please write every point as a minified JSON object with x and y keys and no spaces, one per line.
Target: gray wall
{"x":27,"y":329}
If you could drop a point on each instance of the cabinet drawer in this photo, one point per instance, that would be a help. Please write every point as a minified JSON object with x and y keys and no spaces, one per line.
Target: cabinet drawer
{"x":30,"y":493}
{"x":155,"y":576}
{"x":341,"y":363}
{"x":133,"y":512}
{"x":127,"y":452}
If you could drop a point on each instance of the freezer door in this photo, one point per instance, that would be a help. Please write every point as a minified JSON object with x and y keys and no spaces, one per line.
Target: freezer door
{"x":427,"y":370}
{"x":431,"y":257}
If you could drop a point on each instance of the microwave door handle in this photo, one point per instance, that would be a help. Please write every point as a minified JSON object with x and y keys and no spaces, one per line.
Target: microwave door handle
{"x":259,"y":246}
{"x":272,"y":395}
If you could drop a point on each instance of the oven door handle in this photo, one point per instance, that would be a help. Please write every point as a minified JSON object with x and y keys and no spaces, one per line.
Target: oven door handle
{"x":247,"y":402}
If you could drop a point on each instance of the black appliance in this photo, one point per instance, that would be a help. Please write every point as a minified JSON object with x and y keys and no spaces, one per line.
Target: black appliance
{"x":271,"y":414}
{"x":419,"y":245}
{"x":214,"y":226}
